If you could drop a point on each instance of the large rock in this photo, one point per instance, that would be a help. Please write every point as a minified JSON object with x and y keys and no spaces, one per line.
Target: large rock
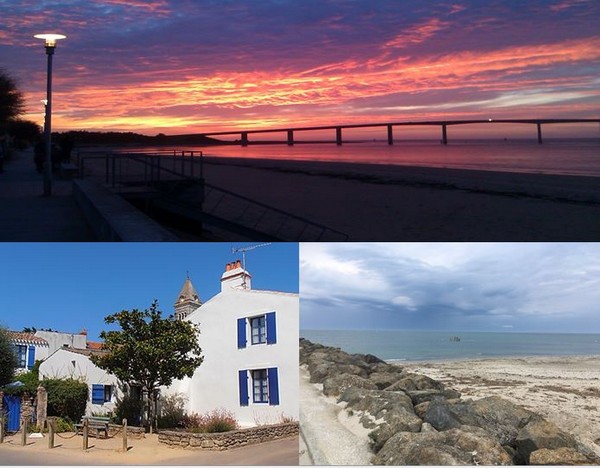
{"x":335,"y":386}
{"x":453,"y":447}
{"x":540,"y":434}
{"x":421,"y":396}
{"x":368,"y":358}
{"x":324,"y":362}
{"x":410,"y":382}
{"x":383,"y":379}
{"x":442,"y":415}
{"x":497,"y":416}
{"x":385,"y":412}
{"x":559,"y":456}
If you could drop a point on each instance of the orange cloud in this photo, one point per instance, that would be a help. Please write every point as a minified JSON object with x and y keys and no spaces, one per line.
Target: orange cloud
{"x":418,"y":33}
{"x":180,"y":103}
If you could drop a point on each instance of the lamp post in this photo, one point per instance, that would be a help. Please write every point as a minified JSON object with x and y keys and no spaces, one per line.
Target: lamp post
{"x":50,"y":45}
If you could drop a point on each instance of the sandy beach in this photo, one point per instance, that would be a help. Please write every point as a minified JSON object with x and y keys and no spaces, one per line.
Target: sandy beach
{"x":565,"y":390}
{"x":382,"y":202}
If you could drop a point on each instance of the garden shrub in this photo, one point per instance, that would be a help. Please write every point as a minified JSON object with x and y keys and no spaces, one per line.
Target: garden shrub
{"x":172,"y":411}
{"x":67,"y":398}
{"x":218,"y":420}
{"x":30,"y":381}
{"x":8,"y":360}
{"x":64,"y":425}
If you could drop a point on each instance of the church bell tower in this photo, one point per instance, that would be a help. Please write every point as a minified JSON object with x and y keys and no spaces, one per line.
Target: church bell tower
{"x":187,"y":300}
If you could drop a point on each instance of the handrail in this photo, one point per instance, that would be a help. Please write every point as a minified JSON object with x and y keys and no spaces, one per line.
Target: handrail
{"x":115,"y":175}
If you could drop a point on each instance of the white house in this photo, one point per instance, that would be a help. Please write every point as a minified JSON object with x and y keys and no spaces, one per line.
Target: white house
{"x":28,"y":348}
{"x":249,"y":341}
{"x":76,"y":364}
{"x":31,"y":347}
{"x":56,"y":339}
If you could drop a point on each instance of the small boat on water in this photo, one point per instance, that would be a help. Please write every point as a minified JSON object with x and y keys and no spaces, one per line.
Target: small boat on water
{"x":455,"y":339}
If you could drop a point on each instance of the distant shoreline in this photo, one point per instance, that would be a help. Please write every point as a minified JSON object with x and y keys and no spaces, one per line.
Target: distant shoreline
{"x":409,"y":347}
{"x":465,"y":360}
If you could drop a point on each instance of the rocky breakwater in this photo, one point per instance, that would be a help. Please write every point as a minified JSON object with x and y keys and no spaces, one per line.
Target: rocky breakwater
{"x":416,"y":420}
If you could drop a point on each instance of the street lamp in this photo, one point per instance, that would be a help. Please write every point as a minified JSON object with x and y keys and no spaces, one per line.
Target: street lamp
{"x":50,"y":45}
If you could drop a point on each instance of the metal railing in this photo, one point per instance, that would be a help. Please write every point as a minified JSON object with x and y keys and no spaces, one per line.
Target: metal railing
{"x":179,"y":174}
{"x":120,"y":170}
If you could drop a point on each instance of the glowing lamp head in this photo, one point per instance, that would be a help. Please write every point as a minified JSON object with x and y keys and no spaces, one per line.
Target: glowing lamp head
{"x":489,"y":120}
{"x":50,"y":38}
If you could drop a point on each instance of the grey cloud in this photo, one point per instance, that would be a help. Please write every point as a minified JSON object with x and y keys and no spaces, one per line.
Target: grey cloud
{"x":537,"y":285}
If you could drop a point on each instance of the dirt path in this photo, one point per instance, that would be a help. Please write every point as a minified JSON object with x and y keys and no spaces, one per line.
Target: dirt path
{"x":147,"y":451}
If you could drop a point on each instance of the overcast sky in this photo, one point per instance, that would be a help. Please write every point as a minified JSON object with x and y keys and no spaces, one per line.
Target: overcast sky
{"x":183,"y":66}
{"x":515,"y":287}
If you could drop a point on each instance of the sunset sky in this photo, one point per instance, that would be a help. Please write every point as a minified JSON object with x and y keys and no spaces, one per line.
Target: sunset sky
{"x":187,"y":66}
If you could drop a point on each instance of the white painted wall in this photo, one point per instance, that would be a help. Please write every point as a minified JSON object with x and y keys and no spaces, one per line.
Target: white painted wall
{"x":64,"y":363}
{"x":215,"y":383}
{"x":57,"y":340}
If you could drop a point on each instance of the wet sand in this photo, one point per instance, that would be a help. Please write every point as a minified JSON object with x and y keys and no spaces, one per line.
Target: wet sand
{"x":565,"y":390}
{"x":382,"y":202}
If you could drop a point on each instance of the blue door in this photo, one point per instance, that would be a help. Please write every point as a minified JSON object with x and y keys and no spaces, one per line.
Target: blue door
{"x":12,"y":405}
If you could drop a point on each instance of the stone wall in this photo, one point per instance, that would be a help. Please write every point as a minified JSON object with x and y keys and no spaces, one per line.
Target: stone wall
{"x":228,"y":440}
{"x":132,"y":431}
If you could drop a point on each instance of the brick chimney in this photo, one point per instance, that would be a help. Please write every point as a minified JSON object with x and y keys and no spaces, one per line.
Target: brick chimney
{"x":235,"y":277}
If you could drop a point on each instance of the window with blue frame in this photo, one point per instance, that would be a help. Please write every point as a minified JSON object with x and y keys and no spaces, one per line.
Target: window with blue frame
{"x":264,"y":384}
{"x":101,"y":394}
{"x":21,"y":353}
{"x":263,"y":330}
{"x":260,"y":386}
{"x":258,"y":327}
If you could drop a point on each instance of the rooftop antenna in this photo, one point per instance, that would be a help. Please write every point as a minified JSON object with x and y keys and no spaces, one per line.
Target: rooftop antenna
{"x":244,"y":250}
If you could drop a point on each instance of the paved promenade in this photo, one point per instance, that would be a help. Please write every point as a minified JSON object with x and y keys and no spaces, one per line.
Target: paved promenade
{"x":27,"y":215}
{"x":325,"y":440}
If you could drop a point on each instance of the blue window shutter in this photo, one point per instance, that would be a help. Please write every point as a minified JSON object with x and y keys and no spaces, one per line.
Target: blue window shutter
{"x":241,"y":333}
{"x":271,"y":328}
{"x":31,"y":357}
{"x":273,"y":386}
{"x":97,"y":394}
{"x":243,"y":383}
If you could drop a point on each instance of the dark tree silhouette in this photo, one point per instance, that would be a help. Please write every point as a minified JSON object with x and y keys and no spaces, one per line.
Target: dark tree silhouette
{"x":12,"y":102}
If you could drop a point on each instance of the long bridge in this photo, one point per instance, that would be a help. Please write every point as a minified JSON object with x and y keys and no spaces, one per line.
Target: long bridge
{"x":443,"y":124}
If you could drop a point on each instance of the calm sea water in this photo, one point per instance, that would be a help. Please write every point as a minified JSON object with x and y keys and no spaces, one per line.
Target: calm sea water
{"x":574,"y":157}
{"x":405,"y":345}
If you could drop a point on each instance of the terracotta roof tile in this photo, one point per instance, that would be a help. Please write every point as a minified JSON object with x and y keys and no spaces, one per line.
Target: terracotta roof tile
{"x":27,"y":338}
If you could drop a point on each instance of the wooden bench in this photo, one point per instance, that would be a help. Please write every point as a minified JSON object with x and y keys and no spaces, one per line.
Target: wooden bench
{"x":99,"y":423}
{"x":68,"y":169}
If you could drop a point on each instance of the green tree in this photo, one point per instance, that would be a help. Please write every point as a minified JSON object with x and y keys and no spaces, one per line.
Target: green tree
{"x":8,"y":360}
{"x":149,"y":350}
{"x":12,"y":102}
{"x":67,"y":398}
